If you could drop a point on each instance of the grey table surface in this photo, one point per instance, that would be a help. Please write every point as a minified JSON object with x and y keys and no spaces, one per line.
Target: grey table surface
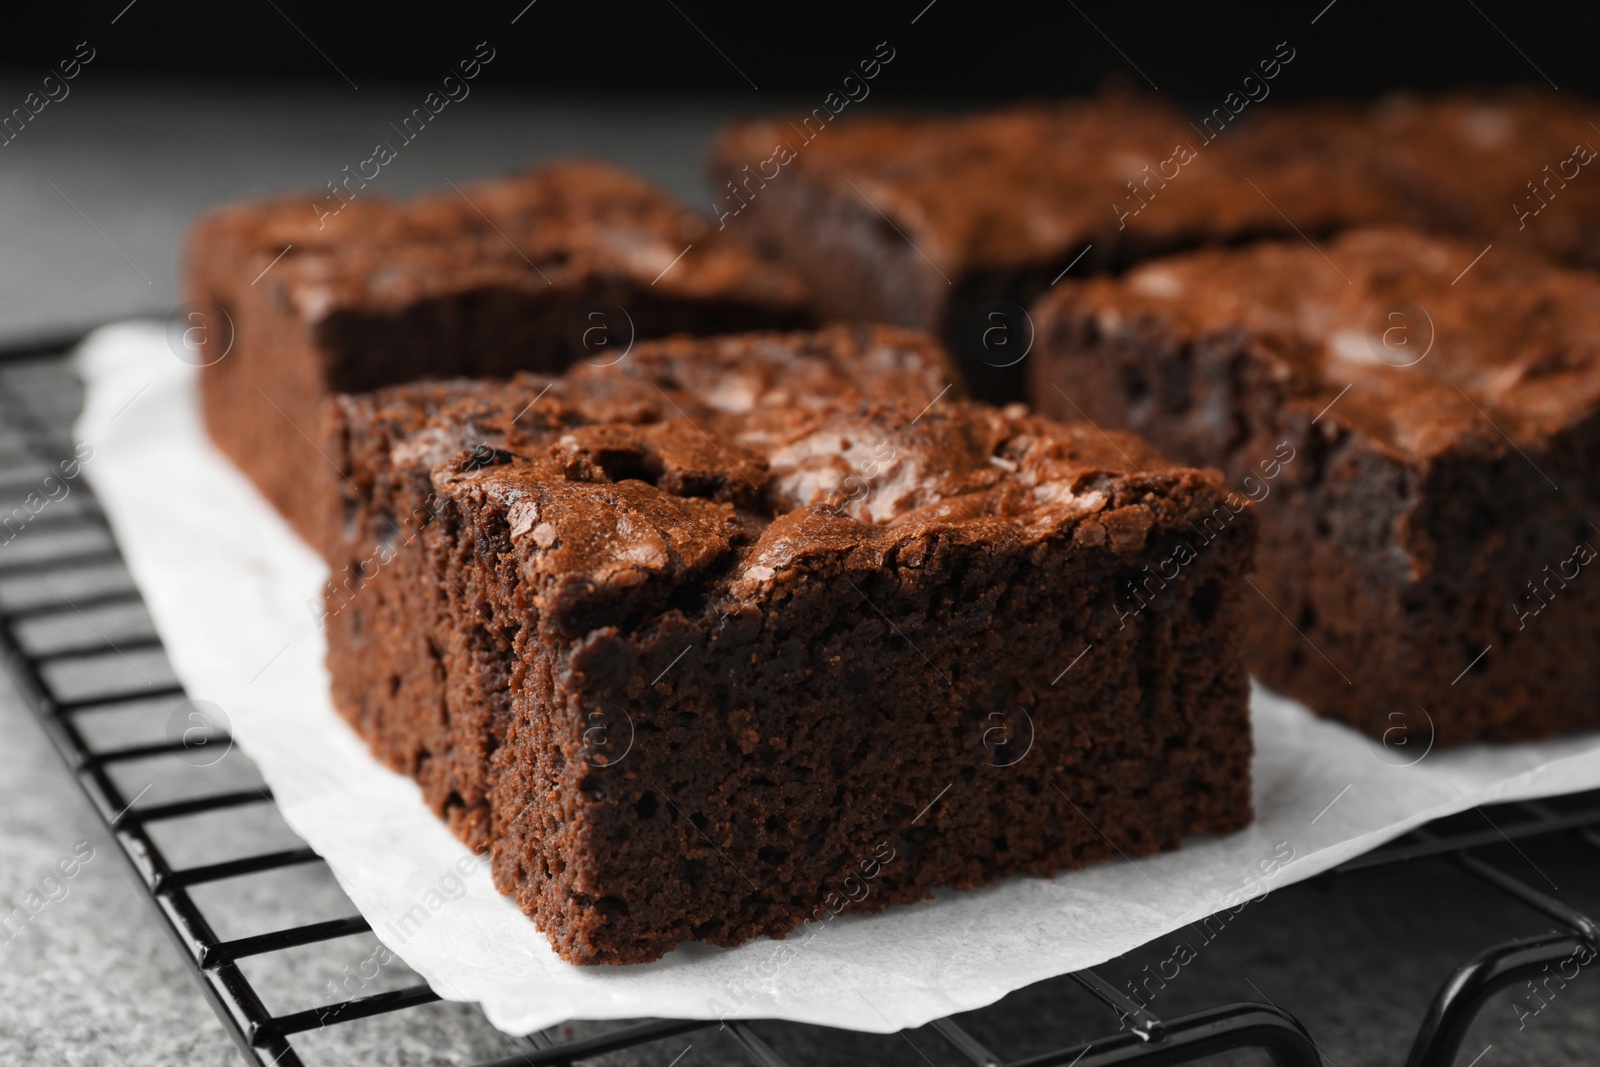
{"x":94,"y":198}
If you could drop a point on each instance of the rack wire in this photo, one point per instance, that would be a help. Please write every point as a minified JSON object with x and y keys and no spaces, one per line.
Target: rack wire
{"x":74,"y":544}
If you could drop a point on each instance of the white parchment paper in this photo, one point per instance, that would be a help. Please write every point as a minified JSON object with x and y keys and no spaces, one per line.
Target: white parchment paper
{"x":228,"y":586}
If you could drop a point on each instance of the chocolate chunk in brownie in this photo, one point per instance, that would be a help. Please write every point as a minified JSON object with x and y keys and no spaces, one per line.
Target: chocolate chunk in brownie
{"x":1420,"y":428}
{"x":954,"y":224}
{"x":571,"y":261}
{"x":708,"y":650}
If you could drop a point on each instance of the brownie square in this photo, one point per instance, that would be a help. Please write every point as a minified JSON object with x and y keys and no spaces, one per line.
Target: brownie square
{"x":568,"y":261}
{"x":955,"y":224}
{"x":714,"y":643}
{"x":1419,"y":427}
{"x":1510,"y":167}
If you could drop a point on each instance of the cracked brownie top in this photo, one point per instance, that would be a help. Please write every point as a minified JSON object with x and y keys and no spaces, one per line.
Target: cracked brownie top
{"x":549,"y":227}
{"x":1440,"y":348}
{"x":736,"y":461}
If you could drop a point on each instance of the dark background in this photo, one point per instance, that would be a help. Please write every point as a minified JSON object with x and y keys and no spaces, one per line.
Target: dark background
{"x":957,"y":49}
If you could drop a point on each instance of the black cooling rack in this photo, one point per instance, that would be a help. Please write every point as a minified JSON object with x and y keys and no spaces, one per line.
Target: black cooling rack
{"x":72,"y":547}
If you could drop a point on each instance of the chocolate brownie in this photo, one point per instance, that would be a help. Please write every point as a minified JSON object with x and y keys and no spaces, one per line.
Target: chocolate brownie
{"x":567,"y":261}
{"x":1421,"y":428}
{"x":433,"y":700}
{"x":1516,"y":168}
{"x":953,"y":224}
{"x":715,"y":642}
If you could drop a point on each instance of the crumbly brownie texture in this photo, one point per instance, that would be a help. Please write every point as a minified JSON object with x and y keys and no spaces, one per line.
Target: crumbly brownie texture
{"x":1514,"y":168}
{"x":498,"y":277}
{"x":1406,"y":427}
{"x":748,"y":649}
{"x":926,"y":221}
